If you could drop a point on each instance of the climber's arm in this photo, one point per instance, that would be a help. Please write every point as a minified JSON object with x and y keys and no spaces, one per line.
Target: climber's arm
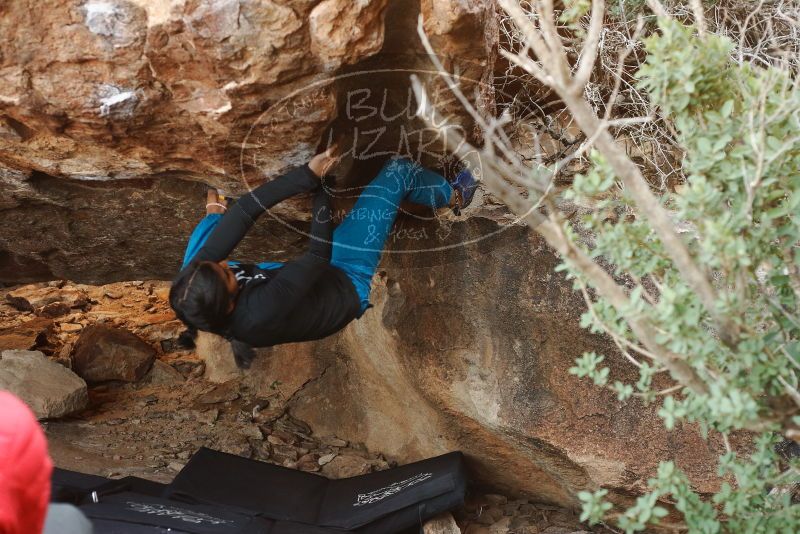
{"x":200,"y":236}
{"x":283,"y":293}
{"x":236,"y":222}
{"x":321,"y":237}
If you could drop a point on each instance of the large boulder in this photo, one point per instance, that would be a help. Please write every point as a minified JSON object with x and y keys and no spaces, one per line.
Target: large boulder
{"x":102,"y":353}
{"x":51,"y":390}
{"x":468,"y":348}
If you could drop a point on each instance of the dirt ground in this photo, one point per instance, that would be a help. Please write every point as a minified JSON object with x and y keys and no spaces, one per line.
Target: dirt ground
{"x":151,"y":428}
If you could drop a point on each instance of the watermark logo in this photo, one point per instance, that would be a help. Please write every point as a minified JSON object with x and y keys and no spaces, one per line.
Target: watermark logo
{"x":397,"y":175}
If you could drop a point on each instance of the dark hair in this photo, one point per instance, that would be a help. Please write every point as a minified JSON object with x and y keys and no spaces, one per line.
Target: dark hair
{"x":200,"y":297}
{"x":201,"y":300}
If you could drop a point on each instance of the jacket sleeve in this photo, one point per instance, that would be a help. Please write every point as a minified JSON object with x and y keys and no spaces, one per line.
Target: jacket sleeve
{"x":200,"y":236}
{"x":283,"y":293}
{"x":236,"y":222}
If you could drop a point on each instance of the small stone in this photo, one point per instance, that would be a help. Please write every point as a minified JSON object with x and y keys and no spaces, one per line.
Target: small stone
{"x":286,"y":437}
{"x":510,"y":508}
{"x":117,"y":457}
{"x":253,"y":432}
{"x":290,"y":424}
{"x":184,"y":455}
{"x":519,"y":522}
{"x":562,"y":518}
{"x":346,"y":467}
{"x":333,"y":441}
{"x":189,"y":368}
{"x":490,"y":516}
{"x":267,"y":415}
{"x":54,"y":309}
{"x":70,"y":327}
{"x":308,"y":463}
{"x":276,"y":440}
{"x":114,"y":295}
{"x":527,"y":509}
{"x":443,"y":523}
{"x":229,"y":391}
{"x":494,"y":499}
{"x":326,"y":458}
{"x":379,"y":464}
{"x":64,"y":356}
{"x":163,"y":373}
{"x":500,"y":527}
{"x":281,"y":453}
{"x":149,"y":400}
{"x":208,"y":417}
{"x":176,"y":466}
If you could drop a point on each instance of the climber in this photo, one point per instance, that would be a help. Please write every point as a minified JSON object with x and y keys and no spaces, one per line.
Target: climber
{"x":317,"y":294}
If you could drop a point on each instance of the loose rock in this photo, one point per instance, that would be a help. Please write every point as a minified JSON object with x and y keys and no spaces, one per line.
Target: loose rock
{"x":103,"y":353}
{"x":50,"y":389}
{"x":345,"y":466}
{"x":326,"y":458}
{"x":226,"y":392}
{"x":333,"y":441}
{"x":27,"y":335}
{"x":163,"y":374}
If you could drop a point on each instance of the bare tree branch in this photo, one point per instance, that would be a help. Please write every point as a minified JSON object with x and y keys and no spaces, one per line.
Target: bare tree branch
{"x":589,"y":52}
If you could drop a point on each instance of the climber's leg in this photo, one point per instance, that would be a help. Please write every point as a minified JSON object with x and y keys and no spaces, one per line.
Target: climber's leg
{"x":358,"y":241}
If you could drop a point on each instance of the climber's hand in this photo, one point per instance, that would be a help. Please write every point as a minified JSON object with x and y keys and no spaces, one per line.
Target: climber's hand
{"x":322,"y":163}
{"x":215,"y":203}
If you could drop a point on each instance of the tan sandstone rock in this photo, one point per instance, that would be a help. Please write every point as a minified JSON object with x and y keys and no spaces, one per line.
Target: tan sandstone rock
{"x":51,"y":390}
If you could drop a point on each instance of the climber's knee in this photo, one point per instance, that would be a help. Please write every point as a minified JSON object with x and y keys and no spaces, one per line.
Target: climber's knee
{"x":399,"y":164}
{"x":401,"y":169}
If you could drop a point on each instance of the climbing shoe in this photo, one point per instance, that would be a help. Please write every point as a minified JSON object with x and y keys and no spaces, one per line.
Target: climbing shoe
{"x":464,"y":186}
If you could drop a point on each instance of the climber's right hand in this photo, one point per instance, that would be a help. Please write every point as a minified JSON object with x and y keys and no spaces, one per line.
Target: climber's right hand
{"x":322,"y":163}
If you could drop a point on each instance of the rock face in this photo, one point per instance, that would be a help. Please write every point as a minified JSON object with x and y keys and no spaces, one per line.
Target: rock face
{"x":111,"y":111}
{"x":103,"y":353}
{"x":51,"y":390}
{"x":469,"y":348}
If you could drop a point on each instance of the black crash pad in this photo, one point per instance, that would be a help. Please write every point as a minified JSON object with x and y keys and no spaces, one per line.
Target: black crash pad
{"x":380,"y":502}
{"x":226,"y":494}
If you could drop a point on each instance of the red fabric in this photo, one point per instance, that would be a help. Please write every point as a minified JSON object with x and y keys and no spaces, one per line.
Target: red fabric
{"x":25,"y":469}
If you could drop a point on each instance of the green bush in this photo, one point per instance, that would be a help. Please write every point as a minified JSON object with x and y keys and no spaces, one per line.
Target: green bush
{"x":739,"y":129}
